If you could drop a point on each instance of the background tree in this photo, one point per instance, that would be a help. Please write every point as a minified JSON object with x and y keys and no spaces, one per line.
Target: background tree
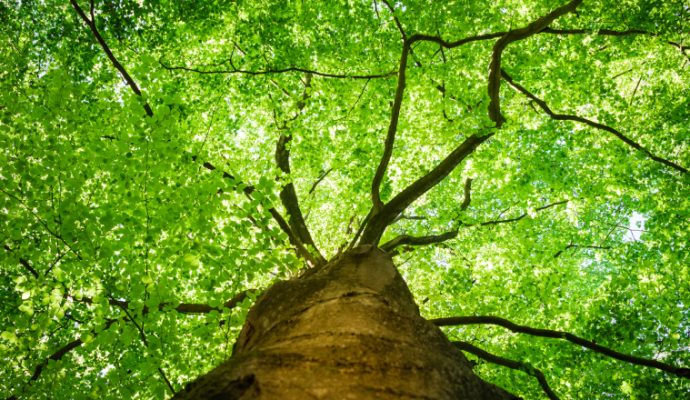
{"x":524,"y":162}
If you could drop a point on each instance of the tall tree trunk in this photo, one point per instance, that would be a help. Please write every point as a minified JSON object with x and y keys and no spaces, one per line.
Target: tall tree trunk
{"x":347,"y":330}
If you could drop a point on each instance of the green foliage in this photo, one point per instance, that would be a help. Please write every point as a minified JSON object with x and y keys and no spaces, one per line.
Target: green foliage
{"x":99,"y":203}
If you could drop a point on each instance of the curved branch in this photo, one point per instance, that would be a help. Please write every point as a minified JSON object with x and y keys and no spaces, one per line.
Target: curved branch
{"x":512,"y":364}
{"x":567,"y":117}
{"x":547,"y":333}
{"x":510,"y":37}
{"x":377,"y":223}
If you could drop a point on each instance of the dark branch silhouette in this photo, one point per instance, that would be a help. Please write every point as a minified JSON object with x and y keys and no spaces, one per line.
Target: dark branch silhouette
{"x":467,"y":197}
{"x":547,"y":333}
{"x":407,"y":240}
{"x":91,"y":23}
{"x":512,"y":364}
{"x":567,"y":117}
{"x":510,"y":37}
{"x":377,"y":204}
{"x":24,"y":263}
{"x":276,"y":71}
{"x":288,"y":195}
{"x":247,"y":189}
{"x":578,"y":246}
{"x":378,"y":222}
{"x":396,"y":20}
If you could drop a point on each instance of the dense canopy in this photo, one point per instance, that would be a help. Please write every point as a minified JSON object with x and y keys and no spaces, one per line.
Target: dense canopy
{"x":160,"y":163}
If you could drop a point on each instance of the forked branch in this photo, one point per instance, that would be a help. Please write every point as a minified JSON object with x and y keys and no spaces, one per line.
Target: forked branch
{"x":378,"y":222}
{"x":567,"y":117}
{"x":512,"y":364}
{"x":407,"y":240}
{"x":510,"y":37}
{"x":547,"y":333}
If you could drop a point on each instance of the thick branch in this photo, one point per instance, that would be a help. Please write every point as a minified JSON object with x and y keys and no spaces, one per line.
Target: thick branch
{"x":547,"y":333}
{"x":566,"y":117}
{"x":467,"y":188}
{"x":503,"y":42}
{"x":91,"y":23}
{"x":390,"y":136}
{"x":288,"y":195}
{"x":378,"y":222}
{"x":512,"y":364}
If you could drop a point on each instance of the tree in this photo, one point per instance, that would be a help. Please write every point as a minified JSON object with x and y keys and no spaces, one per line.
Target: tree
{"x":244,"y":191}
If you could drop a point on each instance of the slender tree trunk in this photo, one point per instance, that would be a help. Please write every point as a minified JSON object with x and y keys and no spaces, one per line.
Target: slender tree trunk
{"x":347,"y":330}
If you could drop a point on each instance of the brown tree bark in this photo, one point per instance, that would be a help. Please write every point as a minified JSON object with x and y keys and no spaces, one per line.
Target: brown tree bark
{"x":347,"y":330}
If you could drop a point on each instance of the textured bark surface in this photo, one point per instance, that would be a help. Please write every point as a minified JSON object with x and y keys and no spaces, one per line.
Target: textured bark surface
{"x":348,"y":330}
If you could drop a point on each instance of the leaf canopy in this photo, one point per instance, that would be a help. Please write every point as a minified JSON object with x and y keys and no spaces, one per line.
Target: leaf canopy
{"x":125,"y":234}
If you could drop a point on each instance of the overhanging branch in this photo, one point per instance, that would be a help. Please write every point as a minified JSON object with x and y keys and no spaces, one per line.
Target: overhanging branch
{"x":512,"y":364}
{"x":510,"y":37}
{"x":567,"y":117}
{"x":547,"y":333}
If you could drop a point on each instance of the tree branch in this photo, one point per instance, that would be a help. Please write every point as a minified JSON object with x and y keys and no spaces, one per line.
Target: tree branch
{"x":503,"y":42}
{"x":566,"y":117}
{"x":234,"y":70}
{"x":467,"y":196}
{"x":377,"y":204}
{"x":24,"y":263}
{"x":377,"y":223}
{"x":396,"y":20}
{"x":62,"y":351}
{"x":182,"y":308}
{"x":512,"y":364}
{"x":288,"y":195}
{"x":149,"y":112}
{"x":142,"y":336}
{"x":91,"y":23}
{"x":577,"y":246}
{"x":443,"y":237}
{"x":547,"y":333}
